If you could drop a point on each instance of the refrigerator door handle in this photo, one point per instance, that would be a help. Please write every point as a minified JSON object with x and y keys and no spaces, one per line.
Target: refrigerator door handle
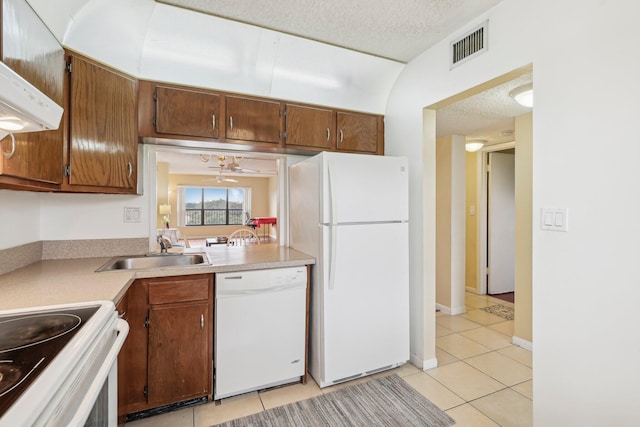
{"x":332,"y":230}
{"x":332,"y":256}
{"x":332,"y":198}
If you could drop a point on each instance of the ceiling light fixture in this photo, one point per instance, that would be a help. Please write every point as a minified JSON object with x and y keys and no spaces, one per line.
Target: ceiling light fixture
{"x":523,"y":95}
{"x":473,"y":146}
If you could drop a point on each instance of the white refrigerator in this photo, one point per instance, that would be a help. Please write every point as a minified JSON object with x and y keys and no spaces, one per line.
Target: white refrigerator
{"x":350,"y":211}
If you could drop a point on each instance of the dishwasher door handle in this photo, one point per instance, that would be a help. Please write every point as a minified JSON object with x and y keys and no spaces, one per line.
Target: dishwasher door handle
{"x":240,"y":292}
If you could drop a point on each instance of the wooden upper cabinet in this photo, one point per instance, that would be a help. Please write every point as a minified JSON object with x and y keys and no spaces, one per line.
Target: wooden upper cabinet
{"x":187,"y":112}
{"x":310,"y":126}
{"x":254,"y":120}
{"x":103,"y":147}
{"x":29,"y":48}
{"x":359,"y":132}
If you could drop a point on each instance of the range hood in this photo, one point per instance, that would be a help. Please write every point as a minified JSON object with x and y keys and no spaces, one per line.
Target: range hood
{"x":23,"y":108}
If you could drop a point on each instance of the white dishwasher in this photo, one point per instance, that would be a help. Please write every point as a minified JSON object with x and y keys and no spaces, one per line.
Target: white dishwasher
{"x":260,"y":322}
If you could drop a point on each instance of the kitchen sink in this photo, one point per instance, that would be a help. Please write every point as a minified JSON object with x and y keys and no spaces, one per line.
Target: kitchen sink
{"x":144,"y":262}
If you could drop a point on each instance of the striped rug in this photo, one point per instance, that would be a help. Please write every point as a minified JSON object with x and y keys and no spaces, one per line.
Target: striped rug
{"x":387,"y":401}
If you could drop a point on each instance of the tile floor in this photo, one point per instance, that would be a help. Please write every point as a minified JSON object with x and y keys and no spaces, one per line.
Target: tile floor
{"x":482,"y":379}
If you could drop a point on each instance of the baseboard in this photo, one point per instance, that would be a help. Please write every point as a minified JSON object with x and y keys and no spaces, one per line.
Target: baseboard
{"x":527,"y":345}
{"x":458,"y":310}
{"x":451,"y":311}
{"x":429,"y":364}
{"x":443,"y":308}
{"x":472,"y":290}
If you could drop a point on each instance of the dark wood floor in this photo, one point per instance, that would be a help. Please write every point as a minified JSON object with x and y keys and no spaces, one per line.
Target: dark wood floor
{"x":508,"y":296}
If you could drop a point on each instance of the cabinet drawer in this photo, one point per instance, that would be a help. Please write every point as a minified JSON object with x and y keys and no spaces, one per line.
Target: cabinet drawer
{"x":176,"y":290}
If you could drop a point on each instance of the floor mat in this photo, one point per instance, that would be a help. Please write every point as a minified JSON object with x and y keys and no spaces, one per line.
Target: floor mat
{"x":504,"y":311}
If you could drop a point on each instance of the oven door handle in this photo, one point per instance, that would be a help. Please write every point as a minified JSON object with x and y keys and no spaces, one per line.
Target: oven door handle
{"x":122,"y":327}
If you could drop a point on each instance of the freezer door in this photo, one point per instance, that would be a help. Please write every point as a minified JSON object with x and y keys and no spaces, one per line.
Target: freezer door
{"x":364,"y":188}
{"x":366,"y":299}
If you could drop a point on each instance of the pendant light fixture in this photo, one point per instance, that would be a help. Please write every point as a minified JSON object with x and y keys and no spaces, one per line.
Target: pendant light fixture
{"x":523,"y":95}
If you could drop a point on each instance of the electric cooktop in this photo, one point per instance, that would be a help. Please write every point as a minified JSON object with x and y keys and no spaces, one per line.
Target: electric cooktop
{"x":28,"y":343}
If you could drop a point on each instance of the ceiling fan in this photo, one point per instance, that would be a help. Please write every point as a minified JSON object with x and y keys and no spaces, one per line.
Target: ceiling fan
{"x":220,"y":179}
{"x":231,"y":164}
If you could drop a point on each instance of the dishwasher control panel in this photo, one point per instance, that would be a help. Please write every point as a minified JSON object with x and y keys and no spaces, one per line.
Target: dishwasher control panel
{"x":261,"y":279}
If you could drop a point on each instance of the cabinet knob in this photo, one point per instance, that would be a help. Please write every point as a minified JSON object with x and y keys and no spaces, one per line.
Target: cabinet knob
{"x":202,"y":321}
{"x":341,"y":135}
{"x":231,"y":122}
{"x":213,"y":121}
{"x":130,"y":169}
{"x":328,"y":133}
{"x":9,"y":154}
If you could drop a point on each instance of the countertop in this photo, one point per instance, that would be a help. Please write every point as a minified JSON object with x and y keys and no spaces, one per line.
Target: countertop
{"x":64,"y":281}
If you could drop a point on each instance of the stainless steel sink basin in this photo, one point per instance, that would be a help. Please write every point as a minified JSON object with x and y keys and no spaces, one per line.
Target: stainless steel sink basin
{"x":144,"y":262}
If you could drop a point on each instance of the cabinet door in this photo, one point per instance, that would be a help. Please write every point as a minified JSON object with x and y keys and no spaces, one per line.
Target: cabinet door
{"x":187,"y":112}
{"x":132,"y":359}
{"x":251,"y":119}
{"x":29,"y":48}
{"x":357,"y":132}
{"x":103,"y":140}
{"x":179,"y":359}
{"x":310,"y":126}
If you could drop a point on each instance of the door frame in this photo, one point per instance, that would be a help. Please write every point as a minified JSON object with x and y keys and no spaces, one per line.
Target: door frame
{"x":482,"y":231}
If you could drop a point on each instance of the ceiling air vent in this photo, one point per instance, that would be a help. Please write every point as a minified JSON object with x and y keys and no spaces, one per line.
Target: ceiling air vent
{"x":469,"y":45}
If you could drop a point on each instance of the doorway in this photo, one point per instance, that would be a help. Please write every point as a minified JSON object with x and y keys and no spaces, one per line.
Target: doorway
{"x":500,"y":218}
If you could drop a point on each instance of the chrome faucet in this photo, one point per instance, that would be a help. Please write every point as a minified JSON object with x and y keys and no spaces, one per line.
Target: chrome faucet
{"x":163,"y":245}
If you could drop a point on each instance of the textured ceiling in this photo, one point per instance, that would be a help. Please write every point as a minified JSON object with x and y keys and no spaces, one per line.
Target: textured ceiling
{"x":485,"y":115}
{"x":393,"y":29}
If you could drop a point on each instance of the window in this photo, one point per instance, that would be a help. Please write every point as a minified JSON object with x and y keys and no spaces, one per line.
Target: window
{"x":213,"y":205}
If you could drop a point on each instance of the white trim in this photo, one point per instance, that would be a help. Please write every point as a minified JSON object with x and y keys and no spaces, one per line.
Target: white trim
{"x":472,"y":290}
{"x":443,"y":308}
{"x":429,"y":364}
{"x":527,"y":345}
{"x":451,"y":311}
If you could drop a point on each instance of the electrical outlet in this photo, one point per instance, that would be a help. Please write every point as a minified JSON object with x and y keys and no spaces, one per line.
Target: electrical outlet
{"x":132,"y":215}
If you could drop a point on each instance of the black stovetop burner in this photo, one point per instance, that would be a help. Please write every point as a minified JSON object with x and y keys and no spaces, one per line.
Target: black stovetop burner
{"x":29,"y":341}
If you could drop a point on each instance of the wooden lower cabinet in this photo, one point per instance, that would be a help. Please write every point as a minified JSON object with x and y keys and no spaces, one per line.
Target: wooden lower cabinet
{"x":167,"y":357}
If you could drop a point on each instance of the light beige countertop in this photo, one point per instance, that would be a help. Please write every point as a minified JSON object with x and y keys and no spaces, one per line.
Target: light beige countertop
{"x":61,"y":281}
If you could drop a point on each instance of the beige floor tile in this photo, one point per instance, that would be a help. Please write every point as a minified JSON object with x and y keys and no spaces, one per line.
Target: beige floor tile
{"x":460,"y":347}
{"x":441,"y":396}
{"x":444,"y":358}
{"x":477,"y":301}
{"x":442,"y":331}
{"x":488,"y":337}
{"x":504,"y":327}
{"x":288,"y":394}
{"x":494,"y":300}
{"x":229,"y":409}
{"x":456,"y":323}
{"x":519,"y":354}
{"x":506,"y":407}
{"x":482,"y":317}
{"x":502,"y":368}
{"x":465,"y":380}
{"x":468,"y":416}
{"x":525,"y":389}
{"x":183,"y":417}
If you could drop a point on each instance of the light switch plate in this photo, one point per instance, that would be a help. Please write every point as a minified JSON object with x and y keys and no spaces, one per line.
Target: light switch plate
{"x":132,"y":214}
{"x":554,"y":219}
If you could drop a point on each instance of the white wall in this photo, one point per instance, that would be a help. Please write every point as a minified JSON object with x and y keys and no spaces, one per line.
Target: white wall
{"x":20,"y":218}
{"x":586,"y":150}
{"x":156,"y":41}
